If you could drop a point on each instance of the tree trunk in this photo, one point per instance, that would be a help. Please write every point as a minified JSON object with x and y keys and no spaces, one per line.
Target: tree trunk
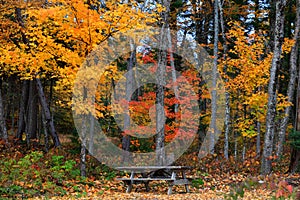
{"x":13,"y":95}
{"x":160,"y":78}
{"x":22,"y":109}
{"x":278,"y":39}
{"x":46,"y":135}
{"x":295,"y":153}
{"x":292,"y":82}
{"x":92,"y":132}
{"x":214,"y":80}
{"x":227,"y":96}
{"x":31,"y":120}
{"x":83,"y":148}
{"x":129,"y":89}
{"x":48,"y":119}
{"x":235,"y":145}
{"x":25,"y":87}
{"x":258,"y":139}
{"x":295,"y":161}
{"x":4,"y":134}
{"x":174,"y":76}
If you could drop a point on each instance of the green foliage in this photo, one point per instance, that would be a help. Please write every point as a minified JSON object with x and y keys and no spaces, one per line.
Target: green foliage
{"x":236,"y":193}
{"x":32,"y":175}
{"x":57,"y":160}
{"x":11,"y":190}
{"x":61,"y":169}
{"x":177,"y":4}
{"x":143,"y":145}
{"x":108,"y":173}
{"x":197,"y":183}
{"x":294,"y":138}
{"x":238,"y":190}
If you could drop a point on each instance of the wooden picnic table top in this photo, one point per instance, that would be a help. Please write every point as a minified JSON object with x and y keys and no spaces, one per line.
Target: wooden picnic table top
{"x":156,"y":173}
{"x":150,"y":168}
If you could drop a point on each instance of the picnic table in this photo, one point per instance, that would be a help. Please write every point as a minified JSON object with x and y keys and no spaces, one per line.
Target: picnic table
{"x":174,"y":175}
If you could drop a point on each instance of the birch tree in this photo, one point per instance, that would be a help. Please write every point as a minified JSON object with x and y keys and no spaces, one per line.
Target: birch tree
{"x":160,"y":79}
{"x":271,"y":111}
{"x":292,"y":82}
{"x":294,"y":136}
{"x":129,"y":88}
{"x":227,"y":106}
{"x":214,"y":79}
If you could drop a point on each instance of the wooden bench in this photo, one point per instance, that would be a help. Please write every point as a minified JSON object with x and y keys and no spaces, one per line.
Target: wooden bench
{"x":174,"y":175}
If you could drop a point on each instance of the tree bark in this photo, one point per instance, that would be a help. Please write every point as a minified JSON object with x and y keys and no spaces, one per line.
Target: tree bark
{"x":83,"y":148}
{"x":129,"y":87}
{"x":214,"y":80}
{"x":292,"y":82}
{"x":48,"y":119}
{"x":92,"y":132}
{"x":22,"y":109}
{"x":227,"y":96}
{"x":31,"y":122}
{"x":4,"y":134}
{"x":46,"y":135}
{"x":258,"y":126}
{"x":160,"y":78}
{"x":295,"y":153}
{"x":13,"y":95}
{"x":266,"y":166}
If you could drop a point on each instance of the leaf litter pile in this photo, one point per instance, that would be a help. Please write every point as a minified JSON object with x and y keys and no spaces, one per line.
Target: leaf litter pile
{"x":33,"y":174}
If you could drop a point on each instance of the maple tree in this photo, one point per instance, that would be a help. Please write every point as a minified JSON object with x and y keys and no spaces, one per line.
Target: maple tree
{"x":53,"y":39}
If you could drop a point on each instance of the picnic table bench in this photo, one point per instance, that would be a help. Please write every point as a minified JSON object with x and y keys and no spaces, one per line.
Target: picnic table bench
{"x":174,"y":175}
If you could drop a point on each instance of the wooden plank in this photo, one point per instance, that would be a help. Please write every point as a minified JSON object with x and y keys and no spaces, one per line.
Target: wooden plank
{"x":131,"y":182}
{"x":181,"y":182}
{"x":186,"y":185}
{"x":151,"y":168}
{"x":145,"y":179}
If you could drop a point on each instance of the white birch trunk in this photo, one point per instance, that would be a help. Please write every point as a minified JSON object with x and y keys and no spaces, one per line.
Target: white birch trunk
{"x":292,"y":83}
{"x":214,"y":80}
{"x":266,"y":166}
{"x":227,"y":96}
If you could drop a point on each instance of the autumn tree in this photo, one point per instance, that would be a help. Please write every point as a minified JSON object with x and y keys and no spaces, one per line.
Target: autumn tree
{"x":51,"y":43}
{"x":271,"y":111}
{"x":291,"y":84}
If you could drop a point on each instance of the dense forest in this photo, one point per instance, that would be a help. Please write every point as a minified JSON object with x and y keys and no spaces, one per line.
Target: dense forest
{"x":90,"y":85}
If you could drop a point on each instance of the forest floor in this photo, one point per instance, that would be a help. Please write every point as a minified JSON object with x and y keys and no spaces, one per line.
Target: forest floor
{"x":33,"y":174}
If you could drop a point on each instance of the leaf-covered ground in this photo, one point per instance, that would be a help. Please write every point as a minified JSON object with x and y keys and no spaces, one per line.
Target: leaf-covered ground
{"x":34,"y":174}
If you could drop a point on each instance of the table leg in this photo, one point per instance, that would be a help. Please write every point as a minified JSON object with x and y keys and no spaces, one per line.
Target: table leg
{"x":170,"y":189}
{"x":145,"y":175}
{"x":130,"y":183}
{"x":171,"y":183}
{"x":185,"y":185}
{"x":147,"y":186}
{"x":129,"y":188}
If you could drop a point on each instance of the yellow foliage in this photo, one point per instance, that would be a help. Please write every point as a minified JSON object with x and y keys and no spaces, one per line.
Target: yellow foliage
{"x":55,"y":38}
{"x":249,"y":78}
